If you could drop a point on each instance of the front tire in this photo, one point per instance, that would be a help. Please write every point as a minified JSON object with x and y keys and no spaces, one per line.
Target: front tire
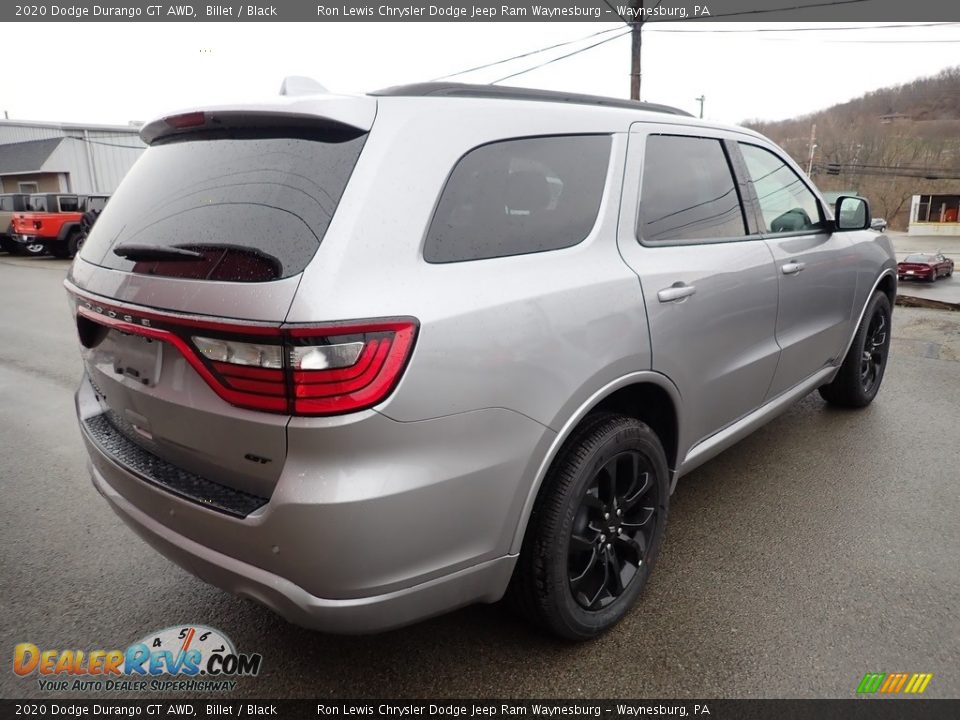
{"x":596,"y":528}
{"x":859,"y":378}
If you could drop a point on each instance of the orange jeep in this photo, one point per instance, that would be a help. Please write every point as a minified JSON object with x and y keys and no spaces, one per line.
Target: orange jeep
{"x":53,"y":223}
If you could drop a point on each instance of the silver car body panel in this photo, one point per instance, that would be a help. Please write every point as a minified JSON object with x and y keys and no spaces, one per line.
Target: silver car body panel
{"x":511,"y":354}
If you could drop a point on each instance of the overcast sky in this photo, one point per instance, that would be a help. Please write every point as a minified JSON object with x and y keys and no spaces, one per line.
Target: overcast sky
{"x":116,"y":72}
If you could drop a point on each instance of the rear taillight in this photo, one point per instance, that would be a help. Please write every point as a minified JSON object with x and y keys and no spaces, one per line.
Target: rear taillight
{"x":352,"y":369}
{"x":295,"y":369}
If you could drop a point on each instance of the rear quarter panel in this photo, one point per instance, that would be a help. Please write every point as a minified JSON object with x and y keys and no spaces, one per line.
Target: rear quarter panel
{"x":537,"y":333}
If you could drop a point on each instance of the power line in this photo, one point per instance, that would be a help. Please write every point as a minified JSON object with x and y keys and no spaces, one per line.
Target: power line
{"x":614,"y":10}
{"x":762,"y":11}
{"x":100,"y":142}
{"x":563,"y":57}
{"x":883,"y":42}
{"x":804,"y":29}
{"x":527,"y":54}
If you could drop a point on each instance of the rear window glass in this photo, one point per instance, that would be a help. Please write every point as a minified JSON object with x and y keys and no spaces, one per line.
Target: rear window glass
{"x":248,"y":209}
{"x":519,"y":196}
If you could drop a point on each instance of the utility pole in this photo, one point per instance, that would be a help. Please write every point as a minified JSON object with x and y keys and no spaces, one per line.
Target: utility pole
{"x":701,"y":100}
{"x":636,"y":27}
{"x":813,"y":148}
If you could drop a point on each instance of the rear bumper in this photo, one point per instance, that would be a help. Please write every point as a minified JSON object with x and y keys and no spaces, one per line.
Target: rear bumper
{"x":483,"y":582}
{"x":373,"y":523}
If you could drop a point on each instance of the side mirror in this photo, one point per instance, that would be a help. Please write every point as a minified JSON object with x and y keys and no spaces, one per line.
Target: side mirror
{"x":852,"y":213}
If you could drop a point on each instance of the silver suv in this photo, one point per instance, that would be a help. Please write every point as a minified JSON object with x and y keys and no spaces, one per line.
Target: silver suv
{"x":369,"y":359}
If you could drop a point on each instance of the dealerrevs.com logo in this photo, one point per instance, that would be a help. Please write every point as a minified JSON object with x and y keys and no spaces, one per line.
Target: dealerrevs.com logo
{"x":182,"y":658}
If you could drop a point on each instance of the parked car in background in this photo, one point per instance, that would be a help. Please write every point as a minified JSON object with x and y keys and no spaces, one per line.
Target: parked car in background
{"x":924,"y":266}
{"x":878,"y":224}
{"x":10,"y":203}
{"x":274,"y":398}
{"x":53,"y":222}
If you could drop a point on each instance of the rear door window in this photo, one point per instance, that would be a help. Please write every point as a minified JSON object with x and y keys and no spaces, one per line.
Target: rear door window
{"x":519,"y":196}
{"x":688,"y":192}
{"x":249,"y":208}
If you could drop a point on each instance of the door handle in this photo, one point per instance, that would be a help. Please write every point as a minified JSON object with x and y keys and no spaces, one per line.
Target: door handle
{"x":792,"y":267}
{"x":677,"y":291}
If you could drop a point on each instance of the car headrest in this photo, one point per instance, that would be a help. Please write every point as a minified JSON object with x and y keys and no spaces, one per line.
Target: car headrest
{"x":796,"y":219}
{"x":527,"y":191}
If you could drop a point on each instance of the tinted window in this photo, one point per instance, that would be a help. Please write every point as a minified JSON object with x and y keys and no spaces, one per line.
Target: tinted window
{"x":688,"y":192}
{"x":519,"y":196}
{"x":253,"y":208}
{"x":6,"y":203}
{"x":69,"y":203}
{"x":787,"y":205}
{"x":37,"y":203}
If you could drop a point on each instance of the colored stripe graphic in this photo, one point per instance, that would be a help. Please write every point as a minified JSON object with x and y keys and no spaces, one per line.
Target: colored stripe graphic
{"x":918,"y":683}
{"x":871,"y":682}
{"x":894,"y":683}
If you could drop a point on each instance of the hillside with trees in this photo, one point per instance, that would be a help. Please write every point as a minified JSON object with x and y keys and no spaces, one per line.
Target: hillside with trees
{"x":887,"y":145}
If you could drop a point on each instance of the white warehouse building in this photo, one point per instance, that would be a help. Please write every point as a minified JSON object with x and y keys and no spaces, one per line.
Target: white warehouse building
{"x":66,"y":157}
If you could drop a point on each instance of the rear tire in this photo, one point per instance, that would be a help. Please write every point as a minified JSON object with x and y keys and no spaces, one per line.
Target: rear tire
{"x":860,"y":375}
{"x":75,"y":242}
{"x":31,"y":249}
{"x":60,"y":251}
{"x":596,"y":529}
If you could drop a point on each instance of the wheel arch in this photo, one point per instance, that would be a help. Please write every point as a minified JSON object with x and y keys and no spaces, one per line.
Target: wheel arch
{"x":647,"y":396}
{"x":66,"y":229}
{"x":887,"y":284}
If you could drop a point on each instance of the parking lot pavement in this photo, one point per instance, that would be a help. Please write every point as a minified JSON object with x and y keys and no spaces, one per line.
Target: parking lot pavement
{"x":822,"y":547}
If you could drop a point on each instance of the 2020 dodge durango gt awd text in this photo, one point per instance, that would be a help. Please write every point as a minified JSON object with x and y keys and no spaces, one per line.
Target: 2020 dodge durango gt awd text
{"x":369,"y":359}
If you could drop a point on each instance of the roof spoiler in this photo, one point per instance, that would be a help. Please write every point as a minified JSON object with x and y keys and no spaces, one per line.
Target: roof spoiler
{"x":293,"y":110}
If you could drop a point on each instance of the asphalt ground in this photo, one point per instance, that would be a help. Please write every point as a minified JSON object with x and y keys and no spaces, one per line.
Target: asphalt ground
{"x":822,"y":547}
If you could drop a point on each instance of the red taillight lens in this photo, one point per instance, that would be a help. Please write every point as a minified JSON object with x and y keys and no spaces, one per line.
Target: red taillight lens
{"x":353,"y":369}
{"x":299,"y":370}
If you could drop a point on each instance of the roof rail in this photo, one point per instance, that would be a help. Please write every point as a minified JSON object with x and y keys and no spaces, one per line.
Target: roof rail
{"x":499,"y":92}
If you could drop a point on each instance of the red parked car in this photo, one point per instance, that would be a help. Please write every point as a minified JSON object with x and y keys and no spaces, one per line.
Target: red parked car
{"x":922,"y":266}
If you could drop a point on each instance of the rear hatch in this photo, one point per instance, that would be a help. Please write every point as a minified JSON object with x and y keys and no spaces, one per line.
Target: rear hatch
{"x":182,"y":288}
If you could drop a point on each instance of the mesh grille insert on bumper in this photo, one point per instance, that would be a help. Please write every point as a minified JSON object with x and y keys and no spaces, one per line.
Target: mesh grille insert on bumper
{"x":169,"y":477}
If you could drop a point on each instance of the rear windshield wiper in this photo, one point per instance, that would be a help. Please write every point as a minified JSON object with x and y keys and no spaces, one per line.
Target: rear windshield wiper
{"x":135,"y":251}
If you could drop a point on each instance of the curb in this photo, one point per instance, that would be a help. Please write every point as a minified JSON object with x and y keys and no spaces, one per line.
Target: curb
{"x":910,"y":301}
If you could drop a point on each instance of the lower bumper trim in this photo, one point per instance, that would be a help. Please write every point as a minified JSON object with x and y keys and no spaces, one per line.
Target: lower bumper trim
{"x":485,"y":582}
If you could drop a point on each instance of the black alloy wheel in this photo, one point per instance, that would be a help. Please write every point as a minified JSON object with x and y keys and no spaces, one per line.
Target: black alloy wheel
{"x":612,"y":530}
{"x":874,"y":354}
{"x":858,"y":379}
{"x":596,"y":528}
